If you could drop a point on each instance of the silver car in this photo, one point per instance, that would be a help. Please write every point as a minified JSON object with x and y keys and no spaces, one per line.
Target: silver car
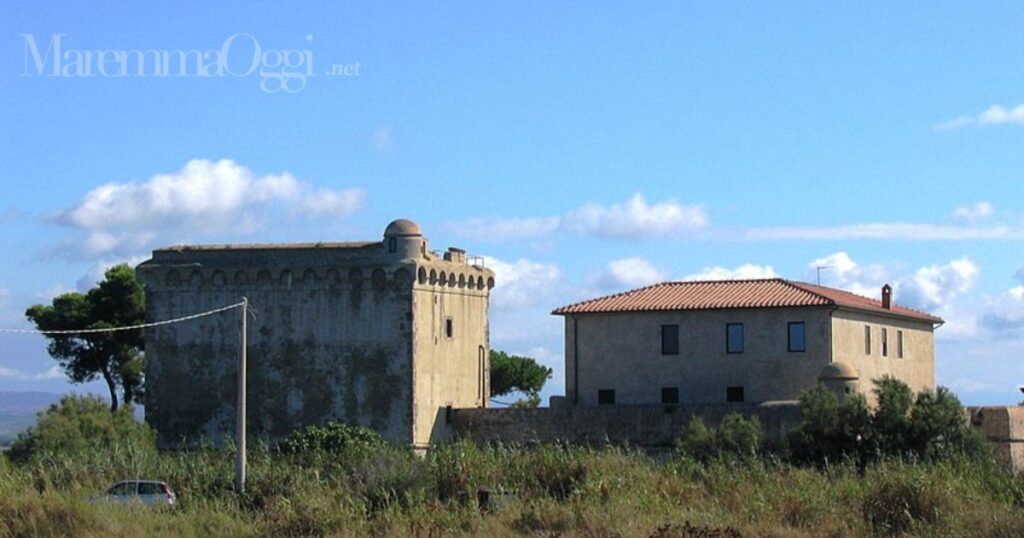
{"x":147,"y":492}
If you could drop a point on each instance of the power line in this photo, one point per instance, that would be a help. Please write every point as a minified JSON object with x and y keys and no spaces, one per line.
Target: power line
{"x":130,"y":327}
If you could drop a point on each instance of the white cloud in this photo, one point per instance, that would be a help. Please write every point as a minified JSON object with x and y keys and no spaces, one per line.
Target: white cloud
{"x":382,"y":139}
{"x":1017,"y":292}
{"x":98,"y":271}
{"x":970,"y":214}
{"x":504,"y":229}
{"x":204,"y":196}
{"x":882,"y":230}
{"x":53,"y":291}
{"x":522,"y":283}
{"x":934,"y":286}
{"x":636,"y":218}
{"x":632,"y":219}
{"x":839,"y":270}
{"x":746,"y":271}
{"x":629,"y":273}
{"x":10,"y":373}
{"x":993,"y":115}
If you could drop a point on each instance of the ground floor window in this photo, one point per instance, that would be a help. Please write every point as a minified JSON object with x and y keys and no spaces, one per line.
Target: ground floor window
{"x":734,"y":394}
{"x":670,"y":395}
{"x":605,"y":397}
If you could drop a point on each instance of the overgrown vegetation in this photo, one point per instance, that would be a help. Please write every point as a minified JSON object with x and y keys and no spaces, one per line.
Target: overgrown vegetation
{"x":341,"y":480}
{"x":930,"y":426}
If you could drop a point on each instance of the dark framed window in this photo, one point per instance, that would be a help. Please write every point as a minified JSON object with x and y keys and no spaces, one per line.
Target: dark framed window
{"x":670,"y":395}
{"x":605,"y":397}
{"x":734,"y":338}
{"x":392,"y":244}
{"x":797,"y":336}
{"x":449,"y":327}
{"x":734,"y":394}
{"x":885,"y":342}
{"x":670,"y":339}
{"x":867,"y":339}
{"x":899,"y":344}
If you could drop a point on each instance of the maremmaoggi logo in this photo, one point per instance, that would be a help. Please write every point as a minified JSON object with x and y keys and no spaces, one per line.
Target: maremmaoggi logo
{"x":240,"y":55}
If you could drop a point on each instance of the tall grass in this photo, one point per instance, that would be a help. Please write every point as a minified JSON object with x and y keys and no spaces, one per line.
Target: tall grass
{"x":546,"y":491}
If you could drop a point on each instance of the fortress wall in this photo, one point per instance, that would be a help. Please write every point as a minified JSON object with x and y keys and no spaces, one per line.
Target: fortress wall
{"x":658,"y":425}
{"x":637,"y":425}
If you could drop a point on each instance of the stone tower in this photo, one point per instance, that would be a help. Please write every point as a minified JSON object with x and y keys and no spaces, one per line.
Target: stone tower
{"x":384,"y":334}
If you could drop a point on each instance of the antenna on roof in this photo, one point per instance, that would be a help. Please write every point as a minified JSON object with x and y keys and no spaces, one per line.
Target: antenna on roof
{"x":818,"y":268}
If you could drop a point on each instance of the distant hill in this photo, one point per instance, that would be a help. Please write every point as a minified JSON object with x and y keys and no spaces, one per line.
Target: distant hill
{"x":26,"y":403}
{"x":18,"y":411}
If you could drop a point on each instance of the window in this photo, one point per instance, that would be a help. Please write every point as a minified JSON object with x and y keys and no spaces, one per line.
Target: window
{"x":734,"y":338}
{"x":605,"y":397}
{"x":149,"y":488}
{"x":449,"y":327}
{"x":899,"y":344}
{"x":885,"y":342}
{"x":867,"y":339}
{"x":392,"y":244}
{"x":734,"y":394}
{"x":670,"y":339}
{"x":670,"y":395}
{"x":797,"y":336}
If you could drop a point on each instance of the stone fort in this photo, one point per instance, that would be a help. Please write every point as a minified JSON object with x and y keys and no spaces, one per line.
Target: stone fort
{"x":385,"y":334}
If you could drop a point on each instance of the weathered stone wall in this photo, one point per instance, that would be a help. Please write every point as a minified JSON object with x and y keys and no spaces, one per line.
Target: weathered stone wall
{"x":659,"y":425}
{"x":331,"y":337}
{"x":1004,"y":428}
{"x":635,"y":425}
{"x":622,"y":352}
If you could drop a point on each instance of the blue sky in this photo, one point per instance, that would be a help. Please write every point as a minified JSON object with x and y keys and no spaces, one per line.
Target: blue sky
{"x":583,"y":148}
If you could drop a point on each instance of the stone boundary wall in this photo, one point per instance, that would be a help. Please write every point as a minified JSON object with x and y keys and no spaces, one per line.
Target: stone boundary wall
{"x":1004,"y":428}
{"x":658,"y":425}
{"x":637,"y":425}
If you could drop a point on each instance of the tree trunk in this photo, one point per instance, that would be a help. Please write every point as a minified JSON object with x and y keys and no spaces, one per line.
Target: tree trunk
{"x":112,"y":387}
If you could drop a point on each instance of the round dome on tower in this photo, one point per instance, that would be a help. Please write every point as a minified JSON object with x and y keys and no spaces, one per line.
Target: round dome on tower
{"x":402,"y":228}
{"x":838,"y":370}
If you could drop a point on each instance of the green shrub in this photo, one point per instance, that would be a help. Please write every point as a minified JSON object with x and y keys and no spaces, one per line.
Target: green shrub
{"x":332,"y":439}
{"x":739,"y":435}
{"x":930,"y":426}
{"x":736,"y":436}
{"x":82,"y":424}
{"x":697,"y":440}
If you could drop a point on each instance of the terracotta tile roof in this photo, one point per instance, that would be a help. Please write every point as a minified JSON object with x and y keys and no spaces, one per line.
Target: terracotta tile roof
{"x":711,"y":294}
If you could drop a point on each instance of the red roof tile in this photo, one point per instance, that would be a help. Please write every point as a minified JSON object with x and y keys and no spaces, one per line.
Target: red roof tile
{"x":711,"y":294}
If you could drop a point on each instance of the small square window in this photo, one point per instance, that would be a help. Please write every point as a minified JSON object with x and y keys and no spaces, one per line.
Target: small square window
{"x":670,"y":395}
{"x":606,"y":397}
{"x":797,"y":336}
{"x":734,"y":338}
{"x":734,"y":394}
{"x":670,"y":339}
{"x":449,"y":327}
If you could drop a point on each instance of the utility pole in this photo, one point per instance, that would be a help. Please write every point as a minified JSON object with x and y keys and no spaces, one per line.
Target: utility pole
{"x":240,"y":426}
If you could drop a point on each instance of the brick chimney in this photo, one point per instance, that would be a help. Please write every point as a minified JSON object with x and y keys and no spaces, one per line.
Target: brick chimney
{"x":887,"y":297}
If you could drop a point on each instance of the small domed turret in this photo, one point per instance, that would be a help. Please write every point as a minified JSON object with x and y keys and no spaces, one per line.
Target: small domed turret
{"x":402,"y":228}
{"x":404,"y":239}
{"x":841,"y":378}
